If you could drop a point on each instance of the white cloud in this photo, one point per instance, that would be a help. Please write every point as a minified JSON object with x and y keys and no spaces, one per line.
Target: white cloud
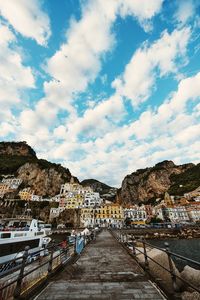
{"x":77,"y":63}
{"x":170,"y":132}
{"x":27,"y":18}
{"x":138,"y":79}
{"x":15,"y":78}
{"x":185,"y":10}
{"x":80,"y":57}
{"x":142,"y":10}
{"x":6,"y":128}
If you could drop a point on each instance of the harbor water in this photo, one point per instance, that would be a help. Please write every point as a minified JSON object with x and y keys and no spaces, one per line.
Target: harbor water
{"x":189,"y":248}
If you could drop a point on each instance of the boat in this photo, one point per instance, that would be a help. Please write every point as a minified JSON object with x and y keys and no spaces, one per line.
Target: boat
{"x":17,"y":233}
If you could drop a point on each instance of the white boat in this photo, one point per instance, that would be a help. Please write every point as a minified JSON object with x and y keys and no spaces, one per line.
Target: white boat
{"x":17,"y":233}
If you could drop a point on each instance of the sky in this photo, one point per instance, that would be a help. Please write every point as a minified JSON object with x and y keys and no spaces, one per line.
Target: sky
{"x":103,"y":87}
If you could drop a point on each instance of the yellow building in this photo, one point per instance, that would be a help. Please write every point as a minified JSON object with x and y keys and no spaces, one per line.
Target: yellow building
{"x":4,"y":188}
{"x":109,"y":215}
{"x":87,"y":216}
{"x":71,"y":201}
{"x":26,"y":194}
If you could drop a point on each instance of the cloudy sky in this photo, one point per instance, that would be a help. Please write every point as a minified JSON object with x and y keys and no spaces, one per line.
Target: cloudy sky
{"x":102,"y":86}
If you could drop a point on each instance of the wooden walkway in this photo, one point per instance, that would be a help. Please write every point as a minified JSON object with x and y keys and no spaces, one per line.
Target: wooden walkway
{"x":104,"y":271}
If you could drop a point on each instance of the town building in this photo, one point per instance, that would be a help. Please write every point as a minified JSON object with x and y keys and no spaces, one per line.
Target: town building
{"x":175,"y":214}
{"x":8,"y":185}
{"x":87,"y":217}
{"x":13,"y":183}
{"x":92,"y":199}
{"x":36,"y":198}
{"x":193,"y":210}
{"x":109,"y":215}
{"x":26,"y":194}
{"x":149,"y":212}
{"x":136,"y":214}
{"x":72,"y":200}
{"x":55,"y":212}
{"x":4,"y":188}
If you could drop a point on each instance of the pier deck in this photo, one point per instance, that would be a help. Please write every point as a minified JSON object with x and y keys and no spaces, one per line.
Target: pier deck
{"x":104,"y":271}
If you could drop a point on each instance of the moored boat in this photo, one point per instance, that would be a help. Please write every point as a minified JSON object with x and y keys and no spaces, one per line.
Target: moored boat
{"x":17,"y":233}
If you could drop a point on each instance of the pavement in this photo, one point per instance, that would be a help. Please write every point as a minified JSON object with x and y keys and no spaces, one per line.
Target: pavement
{"x":104,"y":271}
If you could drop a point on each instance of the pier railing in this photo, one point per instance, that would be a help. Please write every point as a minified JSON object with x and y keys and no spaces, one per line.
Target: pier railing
{"x":22,"y":279}
{"x":131,"y":243}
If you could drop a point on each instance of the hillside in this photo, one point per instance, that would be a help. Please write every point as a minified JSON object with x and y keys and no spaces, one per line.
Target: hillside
{"x":145,"y":185}
{"x":185,"y":182}
{"x":105,"y":191}
{"x":20,"y":160}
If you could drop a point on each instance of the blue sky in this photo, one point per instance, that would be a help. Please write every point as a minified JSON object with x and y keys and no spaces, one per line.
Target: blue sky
{"x":103,"y":87}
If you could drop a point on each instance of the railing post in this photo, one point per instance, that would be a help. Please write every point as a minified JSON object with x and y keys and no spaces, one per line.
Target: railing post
{"x":133,"y":244}
{"x":17,"y":291}
{"x":75,"y":241}
{"x":84,"y":240}
{"x":171,"y":268}
{"x":146,"y":262}
{"x":50,"y":266}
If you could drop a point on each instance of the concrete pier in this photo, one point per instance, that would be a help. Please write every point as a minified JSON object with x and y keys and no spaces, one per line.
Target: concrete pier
{"x":104,"y":271}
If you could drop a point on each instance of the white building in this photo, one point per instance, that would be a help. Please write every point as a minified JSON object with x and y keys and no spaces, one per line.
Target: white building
{"x":13,"y":183}
{"x":92,"y":199}
{"x":176,"y":214}
{"x":193,"y":210}
{"x":135,"y":213}
{"x":55,"y":198}
{"x":36,"y":198}
{"x":73,"y":187}
{"x":55,"y":212}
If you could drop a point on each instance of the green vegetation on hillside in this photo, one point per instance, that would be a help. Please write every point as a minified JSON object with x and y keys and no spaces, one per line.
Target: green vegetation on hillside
{"x":9,"y":164}
{"x":185,"y":182}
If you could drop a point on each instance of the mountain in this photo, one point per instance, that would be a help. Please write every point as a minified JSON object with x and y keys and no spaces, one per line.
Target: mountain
{"x":44,"y":177}
{"x":16,"y":149}
{"x":145,"y":185}
{"x":185,"y":182}
{"x":106,"y":192}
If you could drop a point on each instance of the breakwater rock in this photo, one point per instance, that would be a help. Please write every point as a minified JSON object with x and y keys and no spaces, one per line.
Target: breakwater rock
{"x":157,"y":272}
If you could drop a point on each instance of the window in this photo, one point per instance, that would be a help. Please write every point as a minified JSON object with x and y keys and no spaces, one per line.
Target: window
{"x":5,"y":235}
{"x":11,"y":248}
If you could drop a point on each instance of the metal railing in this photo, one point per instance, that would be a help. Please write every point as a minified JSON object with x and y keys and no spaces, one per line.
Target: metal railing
{"x":28,"y":275}
{"x":131,"y":244}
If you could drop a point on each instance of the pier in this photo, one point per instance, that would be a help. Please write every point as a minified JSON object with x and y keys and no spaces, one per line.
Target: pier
{"x":104,"y":270}
{"x":112,"y":265}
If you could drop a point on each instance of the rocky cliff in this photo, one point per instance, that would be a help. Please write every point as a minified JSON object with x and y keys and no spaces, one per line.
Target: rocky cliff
{"x":150,"y":183}
{"x":106,"y":192}
{"x":44,"y":177}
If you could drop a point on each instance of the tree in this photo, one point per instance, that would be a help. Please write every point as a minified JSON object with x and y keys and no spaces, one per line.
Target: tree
{"x":156,"y":220}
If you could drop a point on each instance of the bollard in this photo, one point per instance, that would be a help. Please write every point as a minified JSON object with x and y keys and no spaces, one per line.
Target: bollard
{"x":50,"y":266}
{"x":172,"y":273}
{"x":17,"y":291}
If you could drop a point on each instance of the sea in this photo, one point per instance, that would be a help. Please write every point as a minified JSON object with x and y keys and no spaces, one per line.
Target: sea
{"x":189,"y":248}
